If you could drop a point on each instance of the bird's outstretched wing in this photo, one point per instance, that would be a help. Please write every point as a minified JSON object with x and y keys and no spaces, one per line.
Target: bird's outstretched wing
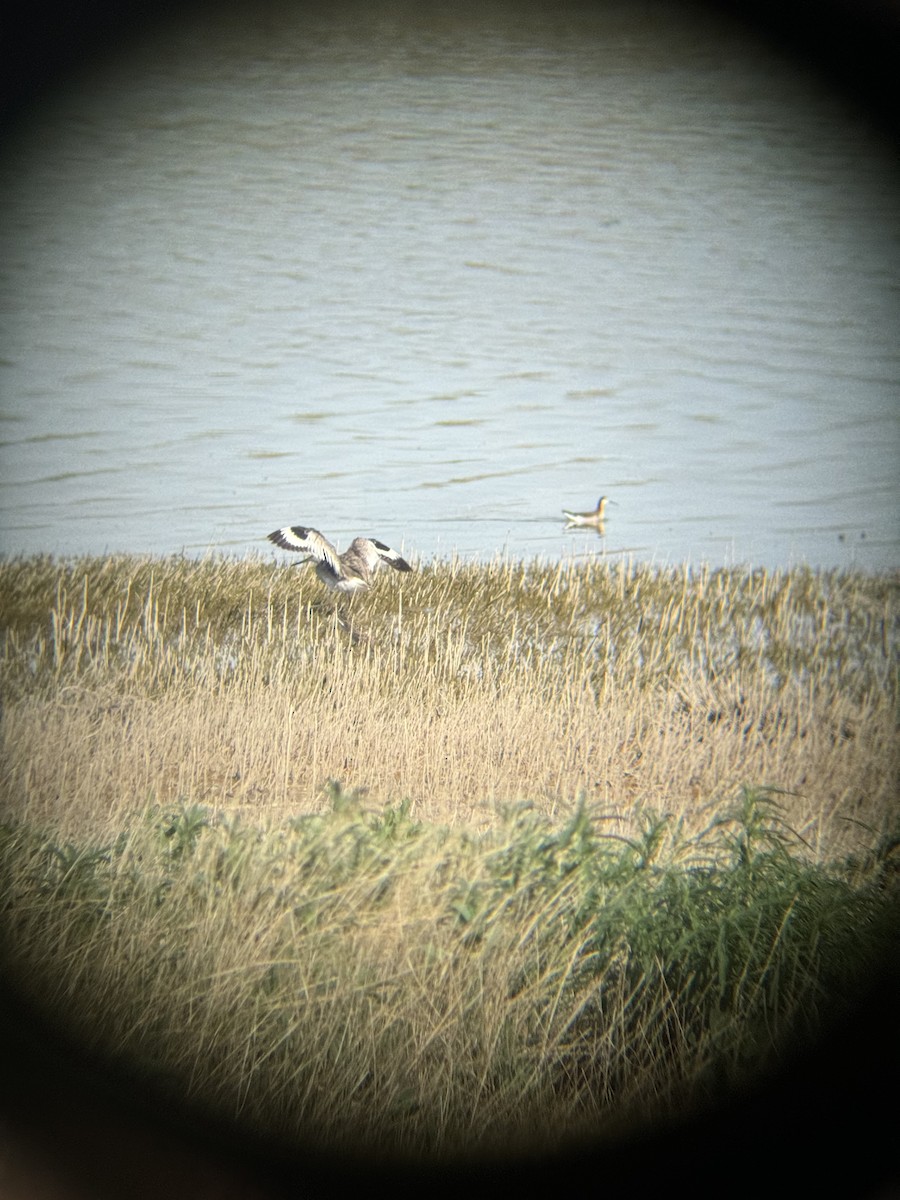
{"x":307,"y":541}
{"x":387,"y":555}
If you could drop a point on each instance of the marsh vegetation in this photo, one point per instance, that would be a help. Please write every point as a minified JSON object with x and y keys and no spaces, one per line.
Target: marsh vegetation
{"x":492,"y":856}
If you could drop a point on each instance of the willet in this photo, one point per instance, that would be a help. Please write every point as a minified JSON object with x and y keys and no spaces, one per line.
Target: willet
{"x":587,"y":518}
{"x":351,"y":571}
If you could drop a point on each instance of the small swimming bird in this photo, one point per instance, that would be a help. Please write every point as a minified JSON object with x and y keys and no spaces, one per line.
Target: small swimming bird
{"x":351,"y":571}
{"x":587,"y":518}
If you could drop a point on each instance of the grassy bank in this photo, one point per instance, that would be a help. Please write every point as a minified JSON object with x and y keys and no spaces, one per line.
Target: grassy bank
{"x":393,"y":988}
{"x":233,"y":685}
{"x":605,"y":836}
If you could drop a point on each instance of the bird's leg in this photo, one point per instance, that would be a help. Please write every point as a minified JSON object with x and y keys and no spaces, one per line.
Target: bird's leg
{"x":346,"y":624}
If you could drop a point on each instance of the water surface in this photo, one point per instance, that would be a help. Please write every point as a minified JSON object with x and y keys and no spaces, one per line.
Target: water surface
{"x":434,"y":278}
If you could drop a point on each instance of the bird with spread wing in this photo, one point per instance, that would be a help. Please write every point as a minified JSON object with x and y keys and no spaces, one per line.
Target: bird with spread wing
{"x":351,"y":571}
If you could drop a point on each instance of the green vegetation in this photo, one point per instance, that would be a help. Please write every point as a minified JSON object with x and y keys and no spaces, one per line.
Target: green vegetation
{"x":610,"y":836}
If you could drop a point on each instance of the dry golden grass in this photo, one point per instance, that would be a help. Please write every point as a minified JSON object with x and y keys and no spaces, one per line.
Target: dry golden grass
{"x":381,"y":987}
{"x":416,"y":962}
{"x":233,"y":685}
